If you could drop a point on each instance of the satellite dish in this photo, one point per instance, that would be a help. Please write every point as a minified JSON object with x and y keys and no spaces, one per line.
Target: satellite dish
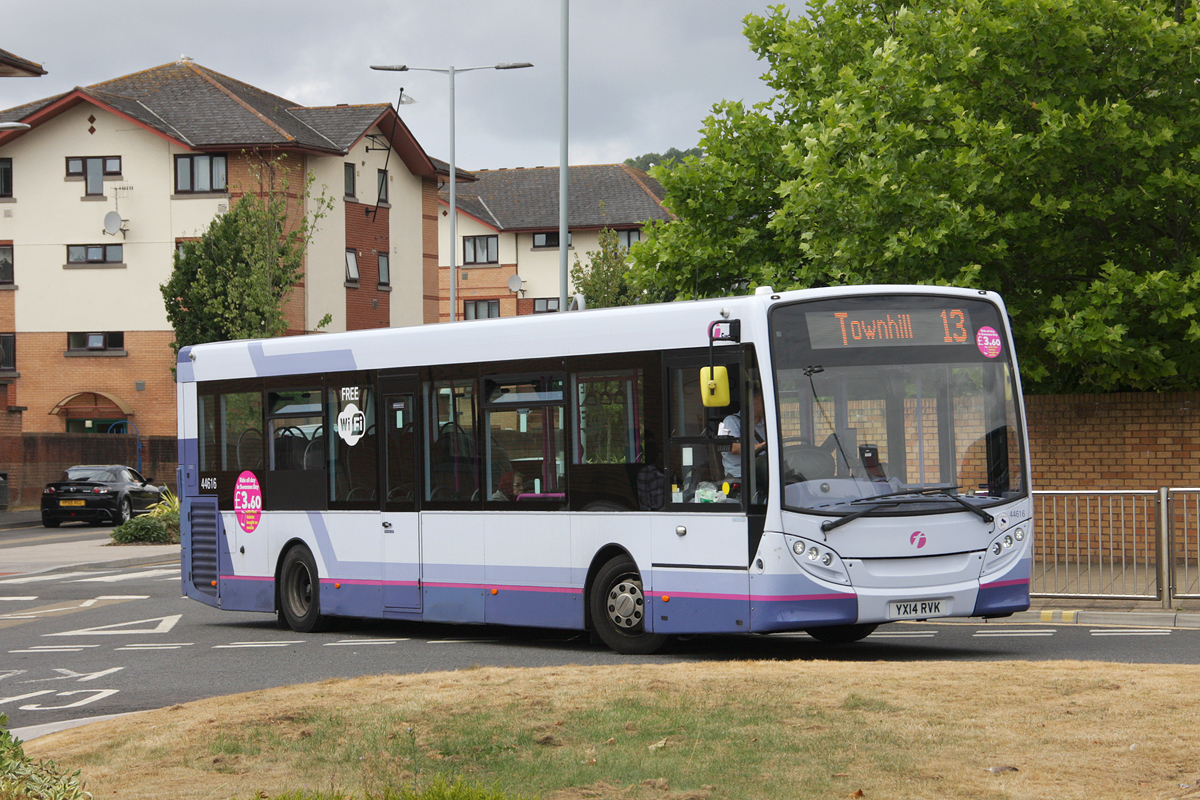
{"x":515,"y":283}
{"x":113,"y":223}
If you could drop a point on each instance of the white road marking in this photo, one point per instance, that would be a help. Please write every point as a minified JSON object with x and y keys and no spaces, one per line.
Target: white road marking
{"x":54,"y":576}
{"x":128,"y":576}
{"x":235,"y":645}
{"x":82,"y":677}
{"x":903,"y":634}
{"x":164,"y":624}
{"x":462,"y":641}
{"x":1132,"y":632}
{"x":176,"y":646}
{"x":26,"y":598}
{"x":1014,"y":634}
{"x":58,"y":648}
{"x":362,"y":642}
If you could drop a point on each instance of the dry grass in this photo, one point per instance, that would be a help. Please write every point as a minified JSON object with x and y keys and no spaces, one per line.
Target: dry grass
{"x":676,"y":731}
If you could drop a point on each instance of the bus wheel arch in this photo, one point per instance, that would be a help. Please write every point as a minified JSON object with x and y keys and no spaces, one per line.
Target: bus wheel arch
{"x":616,"y":605}
{"x":298,"y":589}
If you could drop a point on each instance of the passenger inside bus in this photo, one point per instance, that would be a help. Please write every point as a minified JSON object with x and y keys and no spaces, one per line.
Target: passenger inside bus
{"x":512,"y":484}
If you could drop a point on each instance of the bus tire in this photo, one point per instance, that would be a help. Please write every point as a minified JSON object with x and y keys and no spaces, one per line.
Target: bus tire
{"x":618,"y":608}
{"x":841,"y":634}
{"x":300,"y":591}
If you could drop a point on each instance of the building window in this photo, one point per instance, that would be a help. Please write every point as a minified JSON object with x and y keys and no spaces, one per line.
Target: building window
{"x":383,"y":188}
{"x":627,"y":238}
{"x":481,"y":309}
{"x":543,"y":305}
{"x":96,"y":341}
{"x":548,"y":239}
{"x":200,"y":172}
{"x":385,"y":270}
{"x":349,"y":170}
{"x":94,"y":170}
{"x":8,"y":352}
{"x":6,"y":263}
{"x":481,"y":250}
{"x":6,"y":189}
{"x":95,"y":253}
{"x":352,"y":266}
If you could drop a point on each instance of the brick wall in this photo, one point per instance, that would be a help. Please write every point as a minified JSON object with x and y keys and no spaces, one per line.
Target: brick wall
{"x":35,"y":459}
{"x":366,"y":305}
{"x":50,"y":377}
{"x":429,"y":246}
{"x":1114,"y":441}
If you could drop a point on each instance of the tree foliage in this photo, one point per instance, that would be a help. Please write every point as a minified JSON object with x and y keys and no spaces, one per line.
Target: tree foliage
{"x":1045,"y":150}
{"x":231,"y":283}
{"x":605,"y":282}
{"x":667,"y":159}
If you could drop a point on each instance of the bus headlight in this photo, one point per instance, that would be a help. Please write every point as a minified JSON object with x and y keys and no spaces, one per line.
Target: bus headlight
{"x":820,"y":562}
{"x":1004,"y":549}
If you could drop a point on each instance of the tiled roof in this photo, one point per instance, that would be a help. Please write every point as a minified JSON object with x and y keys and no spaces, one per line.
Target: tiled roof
{"x":208,"y":111}
{"x":602,"y":195}
{"x":13,"y":66}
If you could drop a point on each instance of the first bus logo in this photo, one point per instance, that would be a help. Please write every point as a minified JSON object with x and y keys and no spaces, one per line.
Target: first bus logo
{"x":917,"y":539}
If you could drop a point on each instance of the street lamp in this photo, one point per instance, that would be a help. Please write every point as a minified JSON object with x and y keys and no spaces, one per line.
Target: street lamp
{"x":453,"y":172}
{"x":13,"y":126}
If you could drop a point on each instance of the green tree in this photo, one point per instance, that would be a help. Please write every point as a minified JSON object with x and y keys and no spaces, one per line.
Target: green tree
{"x":667,"y":159}
{"x":1046,"y":150}
{"x":605,"y":282}
{"x":232,"y":282}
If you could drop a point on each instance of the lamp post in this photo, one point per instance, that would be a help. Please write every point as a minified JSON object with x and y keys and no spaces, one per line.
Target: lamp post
{"x":13,"y":126}
{"x":453,"y":171}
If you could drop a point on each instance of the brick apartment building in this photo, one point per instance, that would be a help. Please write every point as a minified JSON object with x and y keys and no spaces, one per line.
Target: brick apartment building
{"x":84,"y":336}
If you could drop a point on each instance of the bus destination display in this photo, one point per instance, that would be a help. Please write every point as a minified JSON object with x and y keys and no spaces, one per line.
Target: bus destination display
{"x":888,"y":327}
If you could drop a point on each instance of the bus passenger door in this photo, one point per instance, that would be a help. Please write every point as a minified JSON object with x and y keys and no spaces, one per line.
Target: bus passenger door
{"x":400,"y":521}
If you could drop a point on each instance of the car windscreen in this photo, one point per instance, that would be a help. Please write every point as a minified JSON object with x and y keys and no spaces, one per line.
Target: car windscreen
{"x":93,"y":474}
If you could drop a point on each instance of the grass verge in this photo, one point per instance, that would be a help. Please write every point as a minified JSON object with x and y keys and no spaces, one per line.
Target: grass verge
{"x":809,"y":729}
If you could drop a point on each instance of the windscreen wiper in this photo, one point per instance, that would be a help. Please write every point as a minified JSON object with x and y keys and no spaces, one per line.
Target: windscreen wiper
{"x":873,"y":503}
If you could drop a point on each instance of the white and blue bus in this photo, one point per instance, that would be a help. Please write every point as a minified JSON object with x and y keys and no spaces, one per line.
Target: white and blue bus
{"x":823,"y":460}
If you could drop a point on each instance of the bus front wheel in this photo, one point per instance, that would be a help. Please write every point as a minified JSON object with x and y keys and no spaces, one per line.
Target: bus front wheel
{"x":618,"y":608}
{"x":841,"y":634}
{"x":300,"y":591}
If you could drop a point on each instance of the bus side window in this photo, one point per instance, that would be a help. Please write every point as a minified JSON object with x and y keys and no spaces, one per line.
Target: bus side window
{"x":353,"y":443}
{"x":695,"y":453}
{"x":231,"y":440}
{"x":451,"y":444}
{"x":524,"y":449}
{"x":616,"y":455}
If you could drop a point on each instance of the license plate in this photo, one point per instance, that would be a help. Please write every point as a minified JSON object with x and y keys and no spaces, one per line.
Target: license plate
{"x":72,"y":503}
{"x":918,"y":609}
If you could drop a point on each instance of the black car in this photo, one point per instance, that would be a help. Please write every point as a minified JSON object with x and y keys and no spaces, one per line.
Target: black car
{"x":97,"y":494}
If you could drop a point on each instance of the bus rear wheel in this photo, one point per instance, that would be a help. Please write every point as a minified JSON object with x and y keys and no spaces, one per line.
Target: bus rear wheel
{"x":841,"y":634}
{"x":618,"y":609}
{"x":300,"y":591}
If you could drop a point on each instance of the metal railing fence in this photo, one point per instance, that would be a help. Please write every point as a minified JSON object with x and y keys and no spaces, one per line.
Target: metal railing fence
{"x":1117,"y":545}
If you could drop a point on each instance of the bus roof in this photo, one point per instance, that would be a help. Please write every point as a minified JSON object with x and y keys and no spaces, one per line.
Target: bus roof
{"x":677,"y":325}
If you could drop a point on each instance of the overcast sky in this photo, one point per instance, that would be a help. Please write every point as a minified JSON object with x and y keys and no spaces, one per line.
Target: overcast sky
{"x":643,"y":73}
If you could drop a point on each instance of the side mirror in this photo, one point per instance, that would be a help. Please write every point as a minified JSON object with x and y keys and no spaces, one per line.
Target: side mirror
{"x":714,"y":387}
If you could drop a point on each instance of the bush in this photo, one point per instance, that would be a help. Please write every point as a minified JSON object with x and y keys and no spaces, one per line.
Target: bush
{"x":158,"y":526}
{"x":21,"y":778}
{"x":146,"y":529}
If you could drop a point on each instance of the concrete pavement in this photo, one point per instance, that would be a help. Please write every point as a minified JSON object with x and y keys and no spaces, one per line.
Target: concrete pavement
{"x":92,"y":553}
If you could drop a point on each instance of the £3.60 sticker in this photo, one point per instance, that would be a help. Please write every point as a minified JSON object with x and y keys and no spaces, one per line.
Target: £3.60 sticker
{"x":988,"y":341}
{"x":247,"y":501}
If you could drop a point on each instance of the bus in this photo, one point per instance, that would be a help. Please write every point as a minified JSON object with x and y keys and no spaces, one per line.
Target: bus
{"x":824,"y":460}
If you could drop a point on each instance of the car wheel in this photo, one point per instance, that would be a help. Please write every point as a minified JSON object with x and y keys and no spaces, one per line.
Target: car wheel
{"x":50,"y":523}
{"x":300,"y":591}
{"x":125,"y":512}
{"x":841,"y":634}
{"x":618,"y":608}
